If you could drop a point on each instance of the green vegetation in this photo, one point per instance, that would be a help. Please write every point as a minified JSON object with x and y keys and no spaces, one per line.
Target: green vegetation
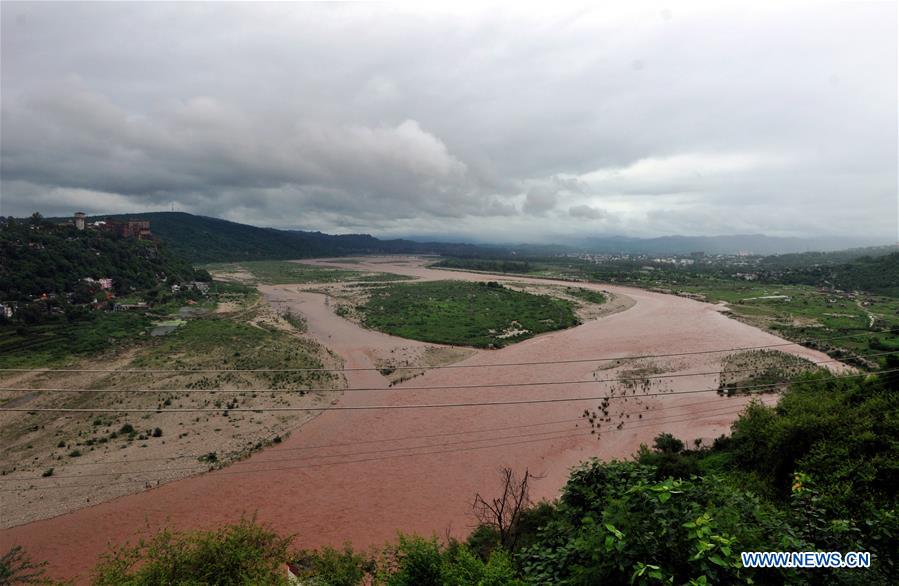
{"x":59,"y":338}
{"x":463,"y":313}
{"x":39,"y":257}
{"x":778,"y":298}
{"x":245,"y":553}
{"x":587,"y":295}
{"x":16,"y":567}
{"x":485,"y":265}
{"x":202,"y":239}
{"x":219,"y":342}
{"x":51,"y":343}
{"x":876,"y":274}
{"x":761,"y":368}
{"x":276,"y":272}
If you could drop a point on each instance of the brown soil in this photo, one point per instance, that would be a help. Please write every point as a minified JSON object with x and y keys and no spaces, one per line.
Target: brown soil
{"x":110,"y":463}
{"x":361,"y":476}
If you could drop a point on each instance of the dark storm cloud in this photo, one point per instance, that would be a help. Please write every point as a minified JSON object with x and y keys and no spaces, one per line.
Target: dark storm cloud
{"x":498,"y":123}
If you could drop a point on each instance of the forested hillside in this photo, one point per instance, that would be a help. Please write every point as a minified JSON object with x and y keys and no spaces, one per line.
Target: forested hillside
{"x":201,"y":239}
{"x":877,"y":274}
{"x":38,"y":256}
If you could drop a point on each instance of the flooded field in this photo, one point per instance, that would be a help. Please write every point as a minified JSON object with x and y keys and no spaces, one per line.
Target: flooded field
{"x":361,"y":475}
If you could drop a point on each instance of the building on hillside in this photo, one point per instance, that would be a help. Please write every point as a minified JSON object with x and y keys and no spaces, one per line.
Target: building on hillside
{"x":139,"y":229}
{"x":129,"y":306}
{"x":79,"y":220}
{"x":6,"y":310}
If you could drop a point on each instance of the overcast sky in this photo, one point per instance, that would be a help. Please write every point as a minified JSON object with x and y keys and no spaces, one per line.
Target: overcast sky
{"x":504,"y":123}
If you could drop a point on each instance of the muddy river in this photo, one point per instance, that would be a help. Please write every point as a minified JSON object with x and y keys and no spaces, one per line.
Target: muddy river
{"x":363,"y":475}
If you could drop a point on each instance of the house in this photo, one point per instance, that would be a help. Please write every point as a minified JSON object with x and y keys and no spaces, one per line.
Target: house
{"x":129,"y":306}
{"x":104,"y":283}
{"x":201,"y":286}
{"x":6,"y":310}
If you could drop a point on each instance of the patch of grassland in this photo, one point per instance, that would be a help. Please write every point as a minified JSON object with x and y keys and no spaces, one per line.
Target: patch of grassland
{"x":761,"y":367}
{"x":587,"y":295}
{"x":48,"y":344}
{"x":282,"y":272}
{"x":462,"y":313}
{"x":801,"y":312}
{"x":223,"y":343}
{"x":52,"y":343}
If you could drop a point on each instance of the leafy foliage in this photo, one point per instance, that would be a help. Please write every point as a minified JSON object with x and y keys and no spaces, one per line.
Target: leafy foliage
{"x":16,"y":567}
{"x":244,"y":553}
{"x":49,"y":258}
{"x":458,"y":312}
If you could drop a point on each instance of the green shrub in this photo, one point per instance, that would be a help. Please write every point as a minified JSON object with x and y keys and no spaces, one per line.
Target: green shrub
{"x":331,"y":567}
{"x":244,"y":553}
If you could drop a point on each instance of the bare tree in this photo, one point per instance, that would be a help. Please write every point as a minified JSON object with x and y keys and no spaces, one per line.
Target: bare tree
{"x":503,"y":512}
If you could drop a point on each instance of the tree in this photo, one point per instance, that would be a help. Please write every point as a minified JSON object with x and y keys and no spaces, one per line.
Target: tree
{"x":503,"y":513}
{"x":666,"y":443}
{"x":17,"y":568}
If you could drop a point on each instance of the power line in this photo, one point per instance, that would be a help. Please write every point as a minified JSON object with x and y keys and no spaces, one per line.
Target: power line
{"x":256,"y":471}
{"x":408,"y":388}
{"x":347,"y":444}
{"x":439,"y":367}
{"x":403,"y":406}
{"x":654,"y":410}
{"x":232,"y":472}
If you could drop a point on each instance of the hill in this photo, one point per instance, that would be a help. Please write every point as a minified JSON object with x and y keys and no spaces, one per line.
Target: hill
{"x":876,"y":274}
{"x":202,"y":239}
{"x":758,"y":244}
{"x":40,"y":257}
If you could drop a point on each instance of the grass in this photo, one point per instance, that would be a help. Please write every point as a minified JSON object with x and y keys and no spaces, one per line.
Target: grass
{"x":761,"y":367}
{"x":809,"y":314}
{"x":222,"y":343}
{"x":587,"y":295}
{"x":55,"y":342}
{"x":282,"y":272}
{"x":52,"y":343}
{"x":461,"y":313}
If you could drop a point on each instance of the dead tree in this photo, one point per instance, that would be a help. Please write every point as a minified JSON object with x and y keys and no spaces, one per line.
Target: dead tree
{"x":504,"y":512}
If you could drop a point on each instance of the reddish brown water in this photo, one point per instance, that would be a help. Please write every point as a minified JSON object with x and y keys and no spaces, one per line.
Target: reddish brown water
{"x":361,"y":476}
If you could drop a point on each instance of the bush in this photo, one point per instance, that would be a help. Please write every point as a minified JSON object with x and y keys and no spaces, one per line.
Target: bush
{"x":330,"y":566}
{"x":17,"y":568}
{"x":616,"y":522}
{"x":665,"y":443}
{"x":244,"y":553}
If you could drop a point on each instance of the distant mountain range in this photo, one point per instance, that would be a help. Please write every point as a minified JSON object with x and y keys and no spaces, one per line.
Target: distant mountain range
{"x":751,"y":243}
{"x":204,"y":239}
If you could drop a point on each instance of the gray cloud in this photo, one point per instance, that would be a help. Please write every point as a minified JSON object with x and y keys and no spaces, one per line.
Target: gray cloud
{"x":586,"y":212}
{"x":502,"y":123}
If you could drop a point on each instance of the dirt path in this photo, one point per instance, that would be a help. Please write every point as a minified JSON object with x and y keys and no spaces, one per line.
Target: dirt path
{"x":361,"y":476}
